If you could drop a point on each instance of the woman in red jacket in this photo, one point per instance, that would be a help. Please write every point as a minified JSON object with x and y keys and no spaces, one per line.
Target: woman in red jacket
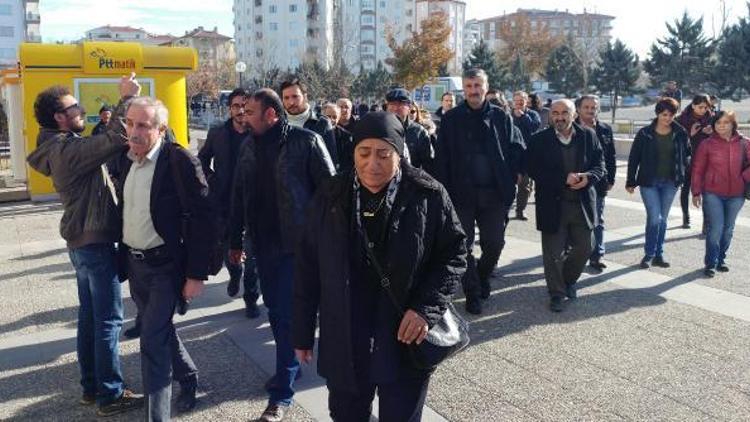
{"x":720,"y":171}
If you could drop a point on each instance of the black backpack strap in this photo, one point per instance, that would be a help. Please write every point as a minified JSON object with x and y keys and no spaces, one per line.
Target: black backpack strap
{"x":385,"y":281}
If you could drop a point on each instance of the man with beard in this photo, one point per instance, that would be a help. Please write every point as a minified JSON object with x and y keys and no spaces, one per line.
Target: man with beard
{"x":479,"y":158}
{"x":90,"y":227}
{"x":565,"y":161}
{"x":221,"y":149}
{"x":105,"y":113}
{"x":301,"y":115}
{"x":588,"y":112}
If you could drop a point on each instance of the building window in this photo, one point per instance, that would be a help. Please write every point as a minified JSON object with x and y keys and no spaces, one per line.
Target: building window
{"x":259,"y":19}
{"x":274,"y":26}
{"x":259,"y":52}
{"x":294,"y":43}
{"x":382,"y":4}
{"x":292,"y":8}
{"x":368,"y":20}
{"x":368,"y":35}
{"x":258,"y":3}
{"x":5,"y":10}
{"x":272,"y":8}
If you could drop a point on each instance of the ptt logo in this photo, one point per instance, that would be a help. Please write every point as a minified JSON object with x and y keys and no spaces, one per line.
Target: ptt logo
{"x":106,"y":62}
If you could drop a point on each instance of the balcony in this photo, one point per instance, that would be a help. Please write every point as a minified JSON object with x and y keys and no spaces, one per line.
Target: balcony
{"x":32,"y":17}
{"x":33,"y":38}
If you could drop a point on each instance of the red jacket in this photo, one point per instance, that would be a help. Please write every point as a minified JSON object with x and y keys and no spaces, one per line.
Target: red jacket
{"x":717,"y":167}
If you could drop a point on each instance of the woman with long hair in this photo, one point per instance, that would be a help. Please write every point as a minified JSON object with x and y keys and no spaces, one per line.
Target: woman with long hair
{"x":696,"y":120}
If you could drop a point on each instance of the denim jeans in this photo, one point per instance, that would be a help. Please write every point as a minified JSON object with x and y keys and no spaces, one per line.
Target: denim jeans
{"x":658,"y":200}
{"x":721,"y":212}
{"x":598,"y":250}
{"x":276,"y":280}
{"x":248,"y":273}
{"x":100,"y":315}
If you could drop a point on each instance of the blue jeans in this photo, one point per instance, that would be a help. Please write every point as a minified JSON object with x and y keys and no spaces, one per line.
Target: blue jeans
{"x":598,"y":251}
{"x":721,"y":213}
{"x":248,"y":273}
{"x":276,"y":280}
{"x":658,"y":200}
{"x":100,"y":314}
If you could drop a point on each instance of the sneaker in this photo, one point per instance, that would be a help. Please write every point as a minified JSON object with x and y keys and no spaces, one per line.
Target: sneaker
{"x":132,"y":332}
{"x":274,"y":413}
{"x":571,"y":291}
{"x":233,"y":287}
{"x":87,"y":399}
{"x":660,"y":262}
{"x":556,"y":304}
{"x":127,"y":401}
{"x":645,"y":262}
{"x":722,"y":268}
{"x":474,"y":306}
{"x":252,"y":311}
{"x":709,"y":272}
{"x":186,"y":400}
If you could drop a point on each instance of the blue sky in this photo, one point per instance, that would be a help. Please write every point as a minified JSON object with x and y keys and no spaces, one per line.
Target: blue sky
{"x":638,"y":22}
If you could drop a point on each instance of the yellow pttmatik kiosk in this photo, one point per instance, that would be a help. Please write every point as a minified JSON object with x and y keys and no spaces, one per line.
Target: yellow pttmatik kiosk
{"x":92,"y":71}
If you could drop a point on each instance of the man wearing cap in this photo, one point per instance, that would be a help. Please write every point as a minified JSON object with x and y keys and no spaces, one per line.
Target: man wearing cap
{"x":418,"y":142}
{"x":479,"y":159}
{"x":105,"y":113}
{"x":277,"y":174}
{"x":407,"y":220}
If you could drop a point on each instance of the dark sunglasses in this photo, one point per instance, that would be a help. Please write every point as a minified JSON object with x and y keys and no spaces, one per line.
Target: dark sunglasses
{"x":75,"y":107}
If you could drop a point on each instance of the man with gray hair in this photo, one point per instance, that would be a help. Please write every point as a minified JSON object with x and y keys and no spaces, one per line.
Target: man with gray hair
{"x":565,"y":161}
{"x":479,"y":160}
{"x":167,"y":231}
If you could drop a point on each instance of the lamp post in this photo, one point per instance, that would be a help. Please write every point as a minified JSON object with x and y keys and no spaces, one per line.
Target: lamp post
{"x":240,"y":67}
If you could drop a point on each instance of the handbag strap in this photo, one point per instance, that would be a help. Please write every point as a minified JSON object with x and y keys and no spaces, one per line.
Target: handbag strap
{"x":385,"y":281}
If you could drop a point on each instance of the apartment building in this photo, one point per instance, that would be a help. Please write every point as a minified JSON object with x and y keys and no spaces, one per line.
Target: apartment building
{"x":19,"y":22}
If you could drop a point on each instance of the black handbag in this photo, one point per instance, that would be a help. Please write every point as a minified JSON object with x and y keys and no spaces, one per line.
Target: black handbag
{"x":446,"y":338}
{"x":745,"y":165}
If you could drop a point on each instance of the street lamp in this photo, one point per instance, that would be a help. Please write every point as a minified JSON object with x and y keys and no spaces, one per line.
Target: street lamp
{"x":240,"y":67}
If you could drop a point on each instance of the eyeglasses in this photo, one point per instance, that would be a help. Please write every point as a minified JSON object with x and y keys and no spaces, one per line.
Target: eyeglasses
{"x":75,"y":107}
{"x":237,"y":107}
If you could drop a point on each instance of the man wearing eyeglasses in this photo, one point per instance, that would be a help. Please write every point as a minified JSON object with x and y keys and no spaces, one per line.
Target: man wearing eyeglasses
{"x":222,"y":149}
{"x":90,"y":226}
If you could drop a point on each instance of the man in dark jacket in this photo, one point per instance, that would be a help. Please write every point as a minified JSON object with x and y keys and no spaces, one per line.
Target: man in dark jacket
{"x":164,"y":256}
{"x":479,"y":157}
{"x":344,"y":143}
{"x":447,"y":102}
{"x":528,"y":122}
{"x":418,"y":142}
{"x":362,"y":337}
{"x":565,"y":161}
{"x":588,"y":112}
{"x":346,"y":119}
{"x":276,"y":177}
{"x":105,"y":113}
{"x":221,"y":149}
{"x":301,"y":115}
{"x":90,"y":227}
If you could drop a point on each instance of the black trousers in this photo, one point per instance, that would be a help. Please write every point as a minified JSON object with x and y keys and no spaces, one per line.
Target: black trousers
{"x":491,"y":217}
{"x":524,"y":191}
{"x":561,"y":267}
{"x":399,"y":401}
{"x":163,"y":356}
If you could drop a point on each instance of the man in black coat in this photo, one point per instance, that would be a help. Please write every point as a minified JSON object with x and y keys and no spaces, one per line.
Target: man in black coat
{"x":277,"y":175}
{"x":300,"y":114}
{"x":418,"y":142}
{"x":478,"y":160}
{"x":565,"y":161}
{"x":218,"y":156}
{"x":105,"y":113}
{"x":588,"y":112}
{"x":164,"y":253}
{"x":528,"y":122}
{"x":344,"y":142}
{"x":409,"y":220}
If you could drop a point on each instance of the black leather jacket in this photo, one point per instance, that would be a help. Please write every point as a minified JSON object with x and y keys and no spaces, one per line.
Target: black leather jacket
{"x":303,"y":163}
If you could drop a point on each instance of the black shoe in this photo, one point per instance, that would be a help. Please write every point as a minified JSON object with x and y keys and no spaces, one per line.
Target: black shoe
{"x":708,"y":272}
{"x":274,"y":413}
{"x":571,"y":291}
{"x":556,"y":304}
{"x":660,"y":262}
{"x":87,"y":399}
{"x":186,"y":400}
{"x":233,"y":287}
{"x":485,"y":290}
{"x":252,"y":311}
{"x":722,"y":268}
{"x":132,"y":332}
{"x":127,"y":401}
{"x":685,"y":224}
{"x":520,"y":216}
{"x":645,"y":262}
{"x":271,"y":382}
{"x":474,"y":306}
{"x":597,"y":265}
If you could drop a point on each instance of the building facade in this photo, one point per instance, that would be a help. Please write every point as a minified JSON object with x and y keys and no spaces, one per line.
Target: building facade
{"x":455,"y":12}
{"x":286,"y":33}
{"x":472,"y":36}
{"x":19,"y":22}
{"x":213,"y":48}
{"x":126,"y":34}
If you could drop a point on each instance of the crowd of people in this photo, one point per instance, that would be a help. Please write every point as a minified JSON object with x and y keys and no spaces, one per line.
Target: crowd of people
{"x":359,"y":226}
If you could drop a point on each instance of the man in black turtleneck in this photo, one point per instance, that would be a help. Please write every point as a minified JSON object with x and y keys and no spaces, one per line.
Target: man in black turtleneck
{"x":479,"y":158}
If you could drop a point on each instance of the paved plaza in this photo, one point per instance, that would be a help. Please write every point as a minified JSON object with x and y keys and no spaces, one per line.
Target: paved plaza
{"x":662,"y":344}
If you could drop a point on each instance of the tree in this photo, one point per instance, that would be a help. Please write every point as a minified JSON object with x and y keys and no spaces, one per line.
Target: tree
{"x":372,"y":85}
{"x":419,"y":57}
{"x":483,"y":58}
{"x":617,"y":73}
{"x":226,"y":76}
{"x":565,"y":71}
{"x":521,"y":40}
{"x":733,"y":69}
{"x":685,"y":55}
{"x":519,"y":78}
{"x":203,"y":81}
